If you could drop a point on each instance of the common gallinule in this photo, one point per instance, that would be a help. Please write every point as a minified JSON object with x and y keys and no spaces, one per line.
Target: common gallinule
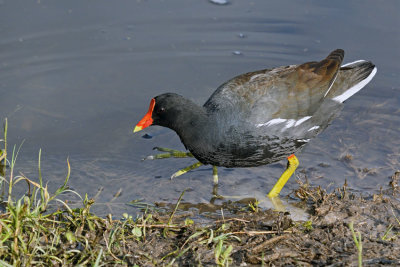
{"x":261,"y":117}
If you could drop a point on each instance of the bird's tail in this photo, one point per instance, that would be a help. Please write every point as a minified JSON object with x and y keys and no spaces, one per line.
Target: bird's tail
{"x":352,"y":77}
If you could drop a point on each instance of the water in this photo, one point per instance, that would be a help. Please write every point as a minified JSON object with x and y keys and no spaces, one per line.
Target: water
{"x":75,"y":78}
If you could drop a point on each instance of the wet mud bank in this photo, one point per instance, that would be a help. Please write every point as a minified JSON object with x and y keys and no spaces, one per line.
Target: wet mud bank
{"x":253,"y":237}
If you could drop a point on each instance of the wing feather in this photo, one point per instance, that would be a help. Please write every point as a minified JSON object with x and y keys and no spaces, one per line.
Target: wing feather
{"x":289,"y":92}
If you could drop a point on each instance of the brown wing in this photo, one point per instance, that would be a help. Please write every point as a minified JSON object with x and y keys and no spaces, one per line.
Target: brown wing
{"x":286,"y":92}
{"x":307,"y":85}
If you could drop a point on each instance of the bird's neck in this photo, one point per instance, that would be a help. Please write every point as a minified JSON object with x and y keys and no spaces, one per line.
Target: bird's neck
{"x":190,"y":123}
{"x":190,"y":115}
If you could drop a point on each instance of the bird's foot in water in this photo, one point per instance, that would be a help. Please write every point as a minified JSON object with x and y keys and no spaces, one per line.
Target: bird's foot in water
{"x":185,"y":170}
{"x":173,"y":153}
{"x":170,"y":153}
{"x":215,"y":194}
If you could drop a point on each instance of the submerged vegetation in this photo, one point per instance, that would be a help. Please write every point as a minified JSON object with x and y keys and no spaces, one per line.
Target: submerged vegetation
{"x":41,"y":229}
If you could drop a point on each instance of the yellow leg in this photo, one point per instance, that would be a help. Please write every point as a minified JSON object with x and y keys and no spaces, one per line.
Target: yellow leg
{"x":293,"y":162}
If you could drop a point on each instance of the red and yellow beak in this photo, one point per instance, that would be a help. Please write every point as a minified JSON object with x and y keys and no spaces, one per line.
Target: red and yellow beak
{"x":147,"y":120}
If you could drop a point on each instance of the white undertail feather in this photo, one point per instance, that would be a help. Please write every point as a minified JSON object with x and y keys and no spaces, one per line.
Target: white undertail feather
{"x":313,"y":128}
{"x":354,"y":89}
{"x":289,"y":123}
{"x":354,"y":62}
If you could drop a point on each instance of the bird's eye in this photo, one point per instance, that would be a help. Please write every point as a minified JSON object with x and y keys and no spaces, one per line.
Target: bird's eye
{"x":161,"y":110}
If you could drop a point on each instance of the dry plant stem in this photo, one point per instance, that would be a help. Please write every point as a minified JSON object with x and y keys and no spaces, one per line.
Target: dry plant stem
{"x":109,"y":249}
{"x":161,"y":226}
{"x":233,"y":219}
{"x":268,"y":242}
{"x":261,"y":232}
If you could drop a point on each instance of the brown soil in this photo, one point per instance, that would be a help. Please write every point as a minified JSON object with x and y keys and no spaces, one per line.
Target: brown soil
{"x":274,"y":239}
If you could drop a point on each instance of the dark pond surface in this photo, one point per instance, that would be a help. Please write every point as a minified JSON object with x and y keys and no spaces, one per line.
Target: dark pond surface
{"x":76,"y":76}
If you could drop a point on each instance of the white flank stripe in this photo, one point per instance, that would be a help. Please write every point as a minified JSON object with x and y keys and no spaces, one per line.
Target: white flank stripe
{"x":351,"y":91}
{"x":313,"y":128}
{"x":272,"y":122}
{"x":303,"y":140}
{"x":294,"y":123}
{"x":290,"y":123}
{"x":298,"y":122}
